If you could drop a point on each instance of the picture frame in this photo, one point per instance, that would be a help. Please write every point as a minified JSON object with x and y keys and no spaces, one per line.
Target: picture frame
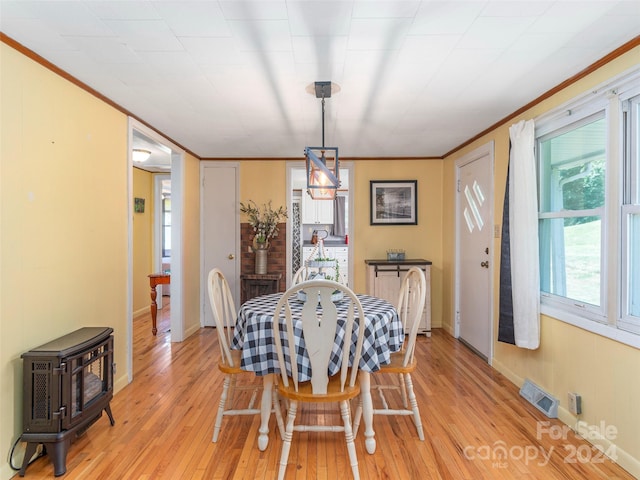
{"x":138,"y":205}
{"x":393,"y":202}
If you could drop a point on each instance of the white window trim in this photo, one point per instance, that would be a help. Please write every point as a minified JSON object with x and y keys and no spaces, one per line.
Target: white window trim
{"x":630,"y":204}
{"x":605,"y":330}
{"x":608,"y":321}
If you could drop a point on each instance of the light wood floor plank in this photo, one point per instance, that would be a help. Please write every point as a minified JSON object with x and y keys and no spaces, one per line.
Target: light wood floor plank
{"x":164,"y":424}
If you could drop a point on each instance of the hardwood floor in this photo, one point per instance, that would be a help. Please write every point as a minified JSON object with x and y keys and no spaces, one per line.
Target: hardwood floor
{"x":476,"y":426}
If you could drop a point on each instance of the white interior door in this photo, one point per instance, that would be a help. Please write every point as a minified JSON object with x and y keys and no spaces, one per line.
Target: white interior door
{"x":474,"y":228}
{"x":220,"y":228}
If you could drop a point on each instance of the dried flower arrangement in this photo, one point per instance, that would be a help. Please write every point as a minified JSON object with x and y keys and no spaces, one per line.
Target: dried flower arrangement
{"x":264,"y":220}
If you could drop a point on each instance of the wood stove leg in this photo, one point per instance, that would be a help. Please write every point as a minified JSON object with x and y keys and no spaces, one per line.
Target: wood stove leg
{"x":31,"y":449}
{"x":110,"y":415}
{"x":57,"y":452}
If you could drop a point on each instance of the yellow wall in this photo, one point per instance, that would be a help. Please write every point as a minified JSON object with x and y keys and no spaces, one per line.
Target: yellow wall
{"x":191,"y":245}
{"x":142,"y":241}
{"x":603,"y":371}
{"x":263,"y":181}
{"x":64,"y":210}
{"x":423,"y":240}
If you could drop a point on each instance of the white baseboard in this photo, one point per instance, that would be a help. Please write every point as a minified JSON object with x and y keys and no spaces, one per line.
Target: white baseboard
{"x":594,"y":436}
{"x":120,"y":382}
{"x":190,"y":331}
{"x":140,"y":312}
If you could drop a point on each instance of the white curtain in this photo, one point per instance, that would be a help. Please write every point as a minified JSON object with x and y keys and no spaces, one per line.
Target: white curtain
{"x":523,"y":222}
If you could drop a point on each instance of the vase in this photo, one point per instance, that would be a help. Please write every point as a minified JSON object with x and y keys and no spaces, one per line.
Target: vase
{"x":260,"y":249}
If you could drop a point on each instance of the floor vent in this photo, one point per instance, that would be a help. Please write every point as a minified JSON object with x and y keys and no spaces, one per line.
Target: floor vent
{"x":539,"y":399}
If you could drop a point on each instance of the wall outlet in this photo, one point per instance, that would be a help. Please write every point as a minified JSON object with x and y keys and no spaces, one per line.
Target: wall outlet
{"x":575,"y":403}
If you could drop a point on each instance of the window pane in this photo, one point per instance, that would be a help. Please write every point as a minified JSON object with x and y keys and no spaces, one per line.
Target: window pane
{"x":634,"y":266}
{"x":634,"y":166}
{"x":166,"y":227}
{"x":570,"y":258}
{"x":572,"y":168}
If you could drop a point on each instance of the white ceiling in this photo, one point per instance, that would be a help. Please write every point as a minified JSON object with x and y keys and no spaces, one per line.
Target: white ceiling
{"x":229,"y":78}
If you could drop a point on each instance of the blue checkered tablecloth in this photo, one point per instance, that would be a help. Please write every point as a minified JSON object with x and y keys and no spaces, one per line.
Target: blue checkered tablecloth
{"x":254,"y":335}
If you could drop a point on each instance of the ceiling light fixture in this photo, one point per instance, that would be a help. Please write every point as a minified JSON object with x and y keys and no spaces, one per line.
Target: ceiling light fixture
{"x":323,"y":174}
{"x":140,"y":155}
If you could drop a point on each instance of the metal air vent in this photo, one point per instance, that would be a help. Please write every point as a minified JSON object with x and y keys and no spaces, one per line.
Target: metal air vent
{"x":539,"y":399}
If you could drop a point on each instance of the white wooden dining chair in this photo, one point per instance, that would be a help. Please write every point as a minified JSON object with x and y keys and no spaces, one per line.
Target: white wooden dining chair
{"x":224,"y":315}
{"x":300,"y":276}
{"x":410,"y":306}
{"x":319,"y":325}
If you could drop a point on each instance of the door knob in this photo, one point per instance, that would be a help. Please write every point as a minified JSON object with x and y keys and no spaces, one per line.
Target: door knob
{"x":231,"y":256}
{"x":484,"y":264}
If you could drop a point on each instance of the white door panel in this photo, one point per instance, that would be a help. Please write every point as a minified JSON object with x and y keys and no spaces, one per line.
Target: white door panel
{"x":474,"y":227}
{"x":220,"y":229}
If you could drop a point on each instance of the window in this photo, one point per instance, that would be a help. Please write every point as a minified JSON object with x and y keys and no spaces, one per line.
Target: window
{"x":166,"y":226}
{"x":572,"y":195}
{"x":588,"y":155}
{"x":630,"y":318}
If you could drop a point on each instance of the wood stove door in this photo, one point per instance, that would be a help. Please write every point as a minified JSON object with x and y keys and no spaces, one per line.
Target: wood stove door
{"x":89,"y":380}
{"x":42,"y":382}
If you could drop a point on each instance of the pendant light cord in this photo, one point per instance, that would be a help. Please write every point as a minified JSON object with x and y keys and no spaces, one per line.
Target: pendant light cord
{"x":322,"y":121}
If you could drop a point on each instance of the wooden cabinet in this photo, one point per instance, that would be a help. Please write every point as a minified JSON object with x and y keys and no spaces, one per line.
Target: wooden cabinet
{"x":316,"y":211}
{"x":306,"y":253}
{"x":384,"y":278}
{"x":341,"y":254}
{"x":254,"y":285}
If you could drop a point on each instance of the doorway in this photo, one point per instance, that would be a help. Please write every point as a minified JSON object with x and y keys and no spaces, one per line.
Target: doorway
{"x":474,"y":250}
{"x":176,"y":164}
{"x":162,"y":232}
{"x":296,"y":187}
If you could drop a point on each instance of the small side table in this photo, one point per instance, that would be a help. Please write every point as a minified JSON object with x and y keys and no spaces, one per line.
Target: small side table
{"x":254,"y":285}
{"x":156,"y":279}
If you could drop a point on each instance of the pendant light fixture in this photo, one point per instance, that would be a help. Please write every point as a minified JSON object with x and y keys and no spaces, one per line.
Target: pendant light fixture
{"x":323,"y":170}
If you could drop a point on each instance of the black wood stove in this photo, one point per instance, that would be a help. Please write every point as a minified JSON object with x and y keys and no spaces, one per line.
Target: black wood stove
{"x":67,"y":384}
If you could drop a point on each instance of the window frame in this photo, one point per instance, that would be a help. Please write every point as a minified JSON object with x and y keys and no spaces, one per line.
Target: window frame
{"x":622,"y":184}
{"x":630,"y":200}
{"x":571,"y":122}
{"x":166,"y":235}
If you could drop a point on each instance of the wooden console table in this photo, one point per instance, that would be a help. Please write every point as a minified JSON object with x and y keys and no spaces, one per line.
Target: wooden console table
{"x":254,"y":285}
{"x":156,"y":279}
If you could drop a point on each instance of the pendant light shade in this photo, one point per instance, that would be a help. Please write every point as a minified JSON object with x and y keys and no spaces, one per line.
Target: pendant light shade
{"x":322,"y":172}
{"x":323,"y":166}
{"x":140,"y":155}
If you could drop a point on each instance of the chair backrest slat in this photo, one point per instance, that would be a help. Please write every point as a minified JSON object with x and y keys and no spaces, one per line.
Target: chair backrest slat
{"x":224,"y":312}
{"x":300,"y":276}
{"x":410,"y":307}
{"x":320,"y":326}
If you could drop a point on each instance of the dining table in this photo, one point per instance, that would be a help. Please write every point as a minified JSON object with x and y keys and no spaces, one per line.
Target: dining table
{"x":254,"y":336}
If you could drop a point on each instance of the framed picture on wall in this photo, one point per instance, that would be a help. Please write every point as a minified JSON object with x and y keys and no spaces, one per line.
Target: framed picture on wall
{"x":138,"y":205}
{"x":394,"y":202}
